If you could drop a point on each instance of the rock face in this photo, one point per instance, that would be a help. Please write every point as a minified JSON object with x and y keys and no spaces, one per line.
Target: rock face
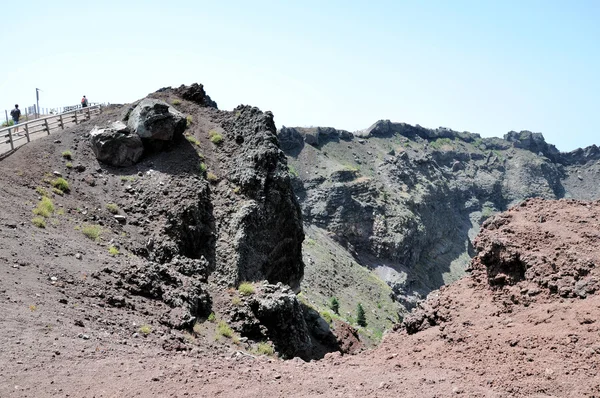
{"x":155,"y":120}
{"x":116,"y":145}
{"x":408,"y":201}
{"x":266,"y":231}
{"x":538,"y":251}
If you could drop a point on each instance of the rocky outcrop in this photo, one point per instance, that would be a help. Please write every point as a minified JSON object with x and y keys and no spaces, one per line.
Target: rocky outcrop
{"x":155,"y":120}
{"x":115,"y":145}
{"x":294,"y":137}
{"x":196,"y":94}
{"x":266,"y":230}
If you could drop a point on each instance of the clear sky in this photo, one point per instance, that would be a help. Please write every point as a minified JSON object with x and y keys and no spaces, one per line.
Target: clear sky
{"x":481,"y":66}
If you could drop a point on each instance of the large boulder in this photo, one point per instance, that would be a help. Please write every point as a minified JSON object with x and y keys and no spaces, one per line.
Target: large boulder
{"x":155,"y":120}
{"x":196,"y":93}
{"x":115,"y":145}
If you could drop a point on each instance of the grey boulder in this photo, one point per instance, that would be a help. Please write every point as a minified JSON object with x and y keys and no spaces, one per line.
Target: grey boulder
{"x":115,"y":145}
{"x":156,"y":120}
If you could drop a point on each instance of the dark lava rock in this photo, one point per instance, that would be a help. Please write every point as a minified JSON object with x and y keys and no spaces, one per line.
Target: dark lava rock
{"x":115,"y":145}
{"x":155,"y":120}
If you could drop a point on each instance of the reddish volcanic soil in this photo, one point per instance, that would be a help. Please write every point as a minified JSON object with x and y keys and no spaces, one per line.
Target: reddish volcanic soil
{"x":524,"y":323}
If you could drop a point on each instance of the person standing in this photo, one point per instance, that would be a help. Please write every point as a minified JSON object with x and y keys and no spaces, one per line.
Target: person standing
{"x":16,"y":114}
{"x":84,"y":102}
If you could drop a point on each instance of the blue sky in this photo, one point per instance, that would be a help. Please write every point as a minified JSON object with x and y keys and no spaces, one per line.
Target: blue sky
{"x":480,"y":66}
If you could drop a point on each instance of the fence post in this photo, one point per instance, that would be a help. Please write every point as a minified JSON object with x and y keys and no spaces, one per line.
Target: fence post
{"x":12,"y":146}
{"x":27,"y":131}
{"x":47,"y":127}
{"x":88,"y":113}
{"x":62,"y":124}
{"x":75,"y":113}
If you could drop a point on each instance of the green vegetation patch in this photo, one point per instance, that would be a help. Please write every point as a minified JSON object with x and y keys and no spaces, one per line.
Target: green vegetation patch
{"x":215,"y":137}
{"x":224,"y":330}
{"x":44,"y":208}
{"x":264,"y":348}
{"x":67,"y":155}
{"x":60,"y":183}
{"x":91,"y":231}
{"x":189,"y":119}
{"x":39,"y":222}
{"x":145,"y":329}
{"x":112,"y":208}
{"x":212,"y":177}
{"x":113,"y":251}
{"x":193,"y":140}
{"x":246,"y":289}
{"x":176,"y":102}
{"x":42,"y":191}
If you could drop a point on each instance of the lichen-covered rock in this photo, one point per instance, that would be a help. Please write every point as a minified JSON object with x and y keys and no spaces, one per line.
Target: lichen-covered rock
{"x":115,"y":145}
{"x":155,"y":120}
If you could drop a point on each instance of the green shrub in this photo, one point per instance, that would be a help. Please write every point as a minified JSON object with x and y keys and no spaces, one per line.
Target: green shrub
{"x":202,"y":167}
{"x":327,"y":316}
{"x":361,"y":320}
{"x":60,"y":183}
{"x":237,"y":190}
{"x":264,"y":348}
{"x":176,"y":102}
{"x":91,"y":231}
{"x":192,"y":139}
{"x":215,"y":137}
{"x":39,"y":222}
{"x":211,"y":317}
{"x":42,"y":191}
{"x":113,"y":251}
{"x":58,"y":191}
{"x":224,"y":330}
{"x":246,"y":289}
{"x":334,"y":305}
{"x":69,"y":165}
{"x":189,"y":119}
{"x":67,"y":155}
{"x":112,"y":208}
{"x":44,"y":208}
{"x":145,"y":329}
{"x":212,"y":177}
{"x":236,"y":301}
{"x":292,"y":170}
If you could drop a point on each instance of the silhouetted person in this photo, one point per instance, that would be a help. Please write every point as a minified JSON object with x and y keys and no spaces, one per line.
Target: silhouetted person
{"x":15,"y":114}
{"x":84,"y":102}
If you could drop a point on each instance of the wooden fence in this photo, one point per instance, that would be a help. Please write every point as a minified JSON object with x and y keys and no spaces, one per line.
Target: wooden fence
{"x":37,"y":128}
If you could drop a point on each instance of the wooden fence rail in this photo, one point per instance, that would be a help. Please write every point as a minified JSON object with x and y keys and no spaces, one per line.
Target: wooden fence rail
{"x":33,"y":129}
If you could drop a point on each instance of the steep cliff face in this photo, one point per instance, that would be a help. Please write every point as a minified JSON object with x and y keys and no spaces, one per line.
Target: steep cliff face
{"x":406,"y":201}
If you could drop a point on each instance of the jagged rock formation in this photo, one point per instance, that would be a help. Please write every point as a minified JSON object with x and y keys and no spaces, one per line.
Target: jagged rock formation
{"x":407,"y":201}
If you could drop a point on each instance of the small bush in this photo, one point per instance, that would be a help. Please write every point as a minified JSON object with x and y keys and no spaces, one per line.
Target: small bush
{"x":176,"y":102}
{"x":327,"y":316}
{"x":334,"y":305}
{"x":202,"y":167}
{"x":292,"y":170}
{"x":361,"y":320}
{"x":212,"y":177}
{"x":39,"y":222}
{"x":215,"y":137}
{"x":60,"y":212}
{"x":211,"y":317}
{"x":224,"y":330}
{"x":42,"y":191}
{"x":58,"y":191}
{"x":60,"y":183}
{"x":113,"y":251}
{"x":237,"y":190}
{"x":67,"y":155}
{"x":236,"y":301}
{"x":126,"y":178}
{"x":112,"y":208}
{"x":264,"y":348}
{"x":91,"y":231}
{"x":69,"y":165}
{"x":246,"y":289}
{"x":44,"y":208}
{"x":189,"y":119}
{"x":145,"y":329}
{"x":193,"y":140}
